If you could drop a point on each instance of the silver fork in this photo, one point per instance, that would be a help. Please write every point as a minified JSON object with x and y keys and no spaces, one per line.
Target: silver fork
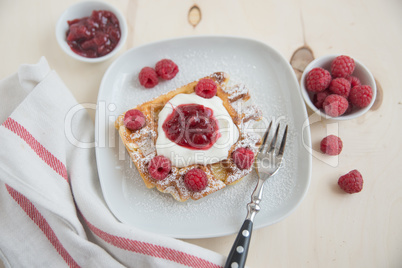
{"x":268,"y":161}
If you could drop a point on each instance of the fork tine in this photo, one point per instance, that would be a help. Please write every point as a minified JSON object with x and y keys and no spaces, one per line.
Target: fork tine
{"x":283,"y":143}
{"x":272,"y":145}
{"x":264,"y":140}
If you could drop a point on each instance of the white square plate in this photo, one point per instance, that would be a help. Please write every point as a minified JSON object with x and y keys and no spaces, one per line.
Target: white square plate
{"x":273,"y":87}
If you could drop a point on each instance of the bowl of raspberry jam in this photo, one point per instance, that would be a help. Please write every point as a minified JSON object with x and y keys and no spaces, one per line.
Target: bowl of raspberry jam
{"x":91,"y":31}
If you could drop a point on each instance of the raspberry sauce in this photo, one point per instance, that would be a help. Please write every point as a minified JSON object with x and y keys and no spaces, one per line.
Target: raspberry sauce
{"x":94,"y":36}
{"x":192,"y":126}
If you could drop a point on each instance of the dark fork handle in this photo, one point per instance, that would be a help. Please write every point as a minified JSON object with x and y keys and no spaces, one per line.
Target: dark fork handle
{"x":238,"y":253}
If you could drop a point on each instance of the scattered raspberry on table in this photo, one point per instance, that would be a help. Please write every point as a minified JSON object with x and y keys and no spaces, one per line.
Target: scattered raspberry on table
{"x":351,"y":182}
{"x":331,"y":145}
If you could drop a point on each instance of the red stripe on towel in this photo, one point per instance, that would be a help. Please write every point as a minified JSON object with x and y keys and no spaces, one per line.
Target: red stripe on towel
{"x":38,"y":148}
{"x":156,"y":251}
{"x":41,"y":222}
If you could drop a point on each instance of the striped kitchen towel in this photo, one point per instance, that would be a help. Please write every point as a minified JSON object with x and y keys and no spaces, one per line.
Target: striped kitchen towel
{"x":52,"y":212}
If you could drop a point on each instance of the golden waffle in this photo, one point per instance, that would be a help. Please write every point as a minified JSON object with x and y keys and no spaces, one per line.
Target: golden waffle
{"x":140,"y":144}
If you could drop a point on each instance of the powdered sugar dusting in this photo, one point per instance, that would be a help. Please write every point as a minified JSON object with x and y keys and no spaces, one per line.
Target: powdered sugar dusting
{"x":236,"y":91}
{"x":144,"y":146}
{"x":249,"y":140}
{"x":252,"y":112}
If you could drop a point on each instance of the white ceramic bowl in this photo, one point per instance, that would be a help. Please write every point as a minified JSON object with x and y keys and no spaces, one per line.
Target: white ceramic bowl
{"x":84,"y":9}
{"x":361,"y":72}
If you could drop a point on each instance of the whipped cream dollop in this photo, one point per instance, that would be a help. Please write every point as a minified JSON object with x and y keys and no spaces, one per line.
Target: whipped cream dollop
{"x":181,"y":156}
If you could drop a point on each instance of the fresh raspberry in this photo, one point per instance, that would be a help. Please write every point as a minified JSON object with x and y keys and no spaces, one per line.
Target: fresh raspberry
{"x":206,"y":88}
{"x":243,"y":158}
{"x":318,"y":79}
{"x":331,"y":145}
{"x":166,"y":69}
{"x":335,"y":105}
{"x":134,"y":119}
{"x":351,"y":182}
{"x":354,"y":81}
{"x":340,"y":86}
{"x":349,"y":109}
{"x":148,"y":77}
{"x":361,"y":96}
{"x":319,"y":98}
{"x":196,"y":180}
{"x":159,"y":167}
{"x":342,"y":66}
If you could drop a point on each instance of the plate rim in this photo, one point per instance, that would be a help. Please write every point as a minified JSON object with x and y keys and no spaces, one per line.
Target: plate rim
{"x":304,"y":135}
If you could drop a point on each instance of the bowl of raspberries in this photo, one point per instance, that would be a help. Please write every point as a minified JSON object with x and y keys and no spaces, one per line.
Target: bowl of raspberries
{"x":338,"y":87}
